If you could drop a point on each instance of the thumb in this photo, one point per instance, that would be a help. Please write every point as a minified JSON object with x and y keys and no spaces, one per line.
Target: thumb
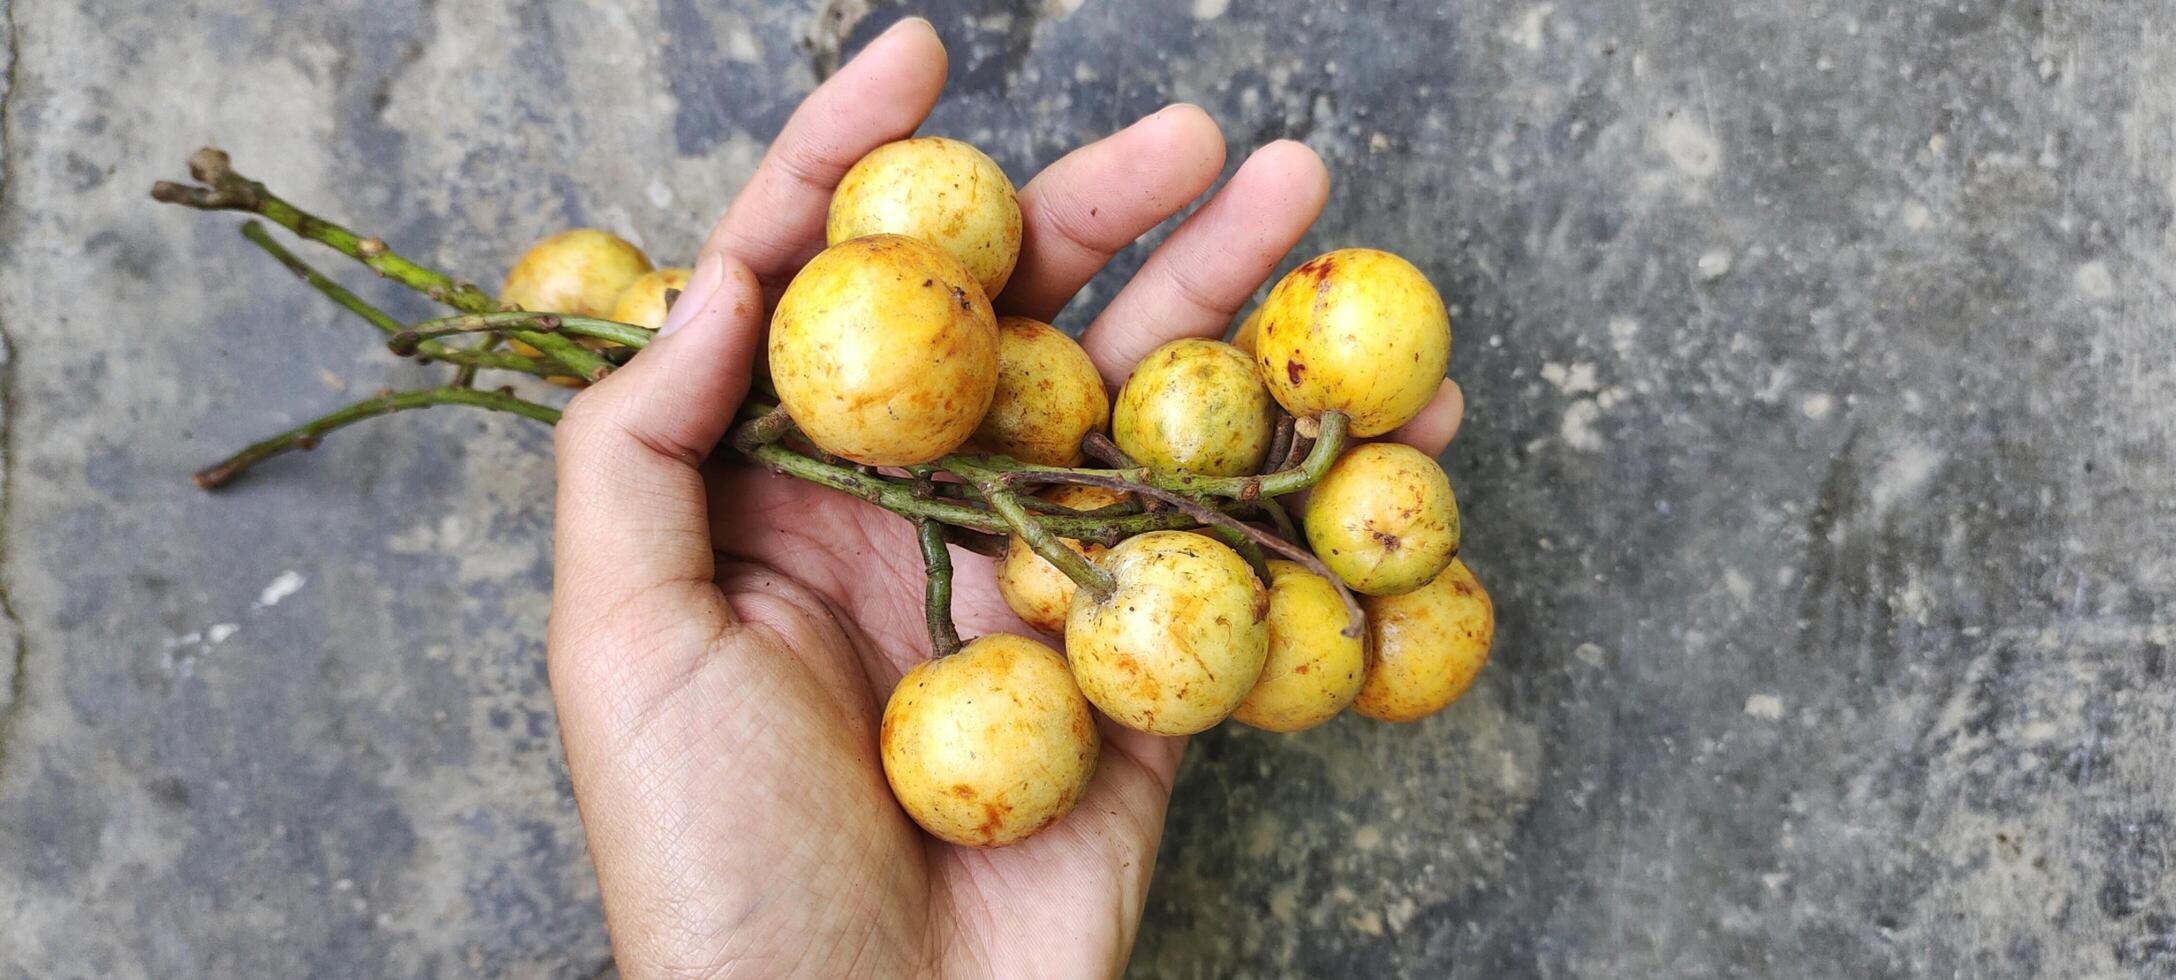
{"x":630,"y":517}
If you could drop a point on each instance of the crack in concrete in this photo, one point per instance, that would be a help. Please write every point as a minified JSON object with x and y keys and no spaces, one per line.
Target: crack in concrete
{"x":18,"y":680}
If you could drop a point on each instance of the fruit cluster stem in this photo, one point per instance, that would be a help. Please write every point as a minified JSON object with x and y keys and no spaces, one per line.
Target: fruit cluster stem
{"x":944,"y":637}
{"x":226,"y":190}
{"x":1075,"y":565}
{"x":308,"y":434}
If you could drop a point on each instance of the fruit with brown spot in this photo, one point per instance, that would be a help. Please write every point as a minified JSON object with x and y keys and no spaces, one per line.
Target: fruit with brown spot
{"x":991,"y":744}
{"x":884,"y":351}
{"x":938,"y":190}
{"x":1048,"y":398}
{"x":1357,"y":330}
{"x":1179,"y":641}
{"x":1196,"y":406}
{"x":1425,"y":647}
{"x":1384,"y":518}
{"x":1313,"y":670}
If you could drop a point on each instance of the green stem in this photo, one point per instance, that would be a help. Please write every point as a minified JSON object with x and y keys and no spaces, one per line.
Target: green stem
{"x":513,"y":322}
{"x":226,"y":190}
{"x":307,"y":435}
{"x":1294,"y":479}
{"x":468,"y":360}
{"x":944,"y":637}
{"x":1075,"y":565}
{"x":1279,"y":518}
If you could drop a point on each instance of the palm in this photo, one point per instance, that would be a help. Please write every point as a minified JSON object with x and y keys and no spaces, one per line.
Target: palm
{"x":985,"y":906}
{"x":723,"y":638}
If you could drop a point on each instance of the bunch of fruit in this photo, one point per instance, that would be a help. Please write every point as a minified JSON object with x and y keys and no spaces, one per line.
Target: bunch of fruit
{"x":1181,"y":586}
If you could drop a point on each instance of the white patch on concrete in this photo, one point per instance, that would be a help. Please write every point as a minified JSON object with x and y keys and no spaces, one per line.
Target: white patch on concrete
{"x":1690,"y":146}
{"x":1210,"y":9}
{"x":659,"y":193}
{"x":287,"y":583}
{"x":1739,"y":587}
{"x":1572,"y":379}
{"x":1531,"y":29}
{"x":220,"y":632}
{"x":1622,"y":330}
{"x":1712,"y":265}
{"x":1817,"y":406}
{"x":332,"y":382}
{"x":1764,"y":706}
{"x":742,"y":46}
{"x":1589,"y":654}
{"x":1916,"y":216}
{"x":1904,"y":476}
{"x":1577,"y":429}
{"x":2093,"y":281}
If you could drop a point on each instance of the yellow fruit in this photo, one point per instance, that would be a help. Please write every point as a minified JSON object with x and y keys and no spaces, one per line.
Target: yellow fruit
{"x":642,"y":303}
{"x":1048,"y":395}
{"x":580,"y":272}
{"x":1035,"y":589}
{"x":884,"y":351}
{"x":1181,"y":639}
{"x":1384,"y":518}
{"x":1244,"y":338}
{"x":1426,"y":646}
{"x":941,"y":191}
{"x":1356,"y":330}
{"x":991,"y":744}
{"x":1313,"y":670}
{"x":1195,"y":405}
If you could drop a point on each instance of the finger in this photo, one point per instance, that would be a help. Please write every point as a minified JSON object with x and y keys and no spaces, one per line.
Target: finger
{"x":1431,"y":430}
{"x":1096,"y":200}
{"x":777,"y":221}
{"x":631,"y":515}
{"x":1200,"y":276}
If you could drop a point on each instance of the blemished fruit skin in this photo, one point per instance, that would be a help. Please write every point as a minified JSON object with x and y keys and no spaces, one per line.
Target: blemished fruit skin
{"x":642,"y":303}
{"x":884,"y":351}
{"x":1048,"y":397}
{"x":1357,"y":330}
{"x":1425,"y":647}
{"x":1181,"y":639}
{"x":1034,"y":589}
{"x":1196,"y":406}
{"x":942,"y":191}
{"x":1384,"y":518}
{"x":1313,"y":670}
{"x":990,"y":744}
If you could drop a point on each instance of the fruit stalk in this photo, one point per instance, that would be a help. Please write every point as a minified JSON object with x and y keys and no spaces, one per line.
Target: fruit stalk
{"x":1289,"y":480}
{"x":408,"y":340}
{"x":1224,"y":522}
{"x":307,"y":435}
{"x":1075,"y":565}
{"x":226,"y":190}
{"x":944,"y":638}
{"x":467,"y":359}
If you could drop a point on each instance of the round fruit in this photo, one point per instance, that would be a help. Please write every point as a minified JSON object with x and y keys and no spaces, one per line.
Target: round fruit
{"x":1426,"y":646}
{"x":581,"y":272}
{"x":1244,"y":338}
{"x":1195,"y":405}
{"x":991,"y":744}
{"x":1035,"y":589}
{"x":642,"y":303}
{"x":1048,"y":395}
{"x":884,"y":351}
{"x":941,"y":191}
{"x":1181,"y":639}
{"x":1356,"y":330}
{"x":1314,"y":670}
{"x":1384,"y":518}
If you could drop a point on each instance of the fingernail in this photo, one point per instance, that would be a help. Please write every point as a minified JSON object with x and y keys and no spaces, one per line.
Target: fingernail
{"x":904,"y":21}
{"x":702,"y":287}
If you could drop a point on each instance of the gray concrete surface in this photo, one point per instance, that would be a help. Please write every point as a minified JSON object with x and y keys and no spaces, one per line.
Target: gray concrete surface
{"x":1823,"y":384}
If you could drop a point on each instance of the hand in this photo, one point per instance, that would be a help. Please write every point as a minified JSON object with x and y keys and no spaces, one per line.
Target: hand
{"x":723,"y":640}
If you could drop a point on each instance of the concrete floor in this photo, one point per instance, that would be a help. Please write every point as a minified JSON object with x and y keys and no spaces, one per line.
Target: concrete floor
{"x":1822,"y":379}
